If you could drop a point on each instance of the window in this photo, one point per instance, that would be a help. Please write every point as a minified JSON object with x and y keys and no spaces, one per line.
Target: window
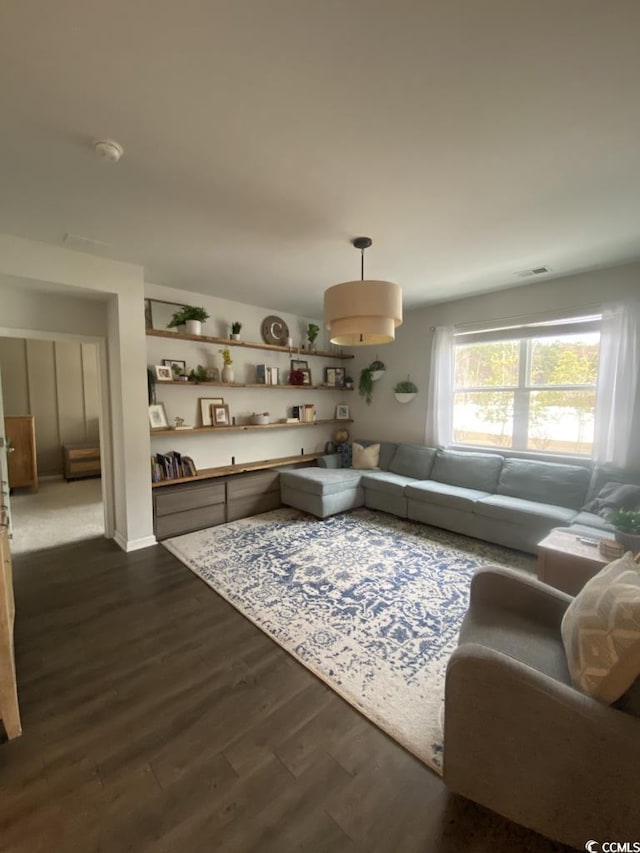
{"x":529,"y":388}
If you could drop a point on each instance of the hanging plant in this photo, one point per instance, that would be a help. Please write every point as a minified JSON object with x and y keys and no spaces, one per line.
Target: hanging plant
{"x":369,"y":375}
{"x":406,"y":387}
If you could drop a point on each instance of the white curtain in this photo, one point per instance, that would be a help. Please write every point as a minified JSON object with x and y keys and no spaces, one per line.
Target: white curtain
{"x":439,"y":427}
{"x":618,"y":388}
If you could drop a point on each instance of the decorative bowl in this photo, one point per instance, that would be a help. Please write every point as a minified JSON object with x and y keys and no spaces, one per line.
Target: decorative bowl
{"x":259,"y":419}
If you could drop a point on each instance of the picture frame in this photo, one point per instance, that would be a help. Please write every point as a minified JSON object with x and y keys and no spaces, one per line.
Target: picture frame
{"x":173,"y":363}
{"x":342,"y":412}
{"x":163,"y":373}
{"x":158,"y":417}
{"x":334,"y":377}
{"x":307,"y":376}
{"x":220,"y":415}
{"x":296,"y":364}
{"x":205,"y":408}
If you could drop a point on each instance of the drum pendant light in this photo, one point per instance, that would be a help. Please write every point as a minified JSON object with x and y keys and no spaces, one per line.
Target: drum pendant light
{"x":360,"y":313}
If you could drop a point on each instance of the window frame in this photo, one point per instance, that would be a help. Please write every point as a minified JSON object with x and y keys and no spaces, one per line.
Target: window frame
{"x":524,"y":334}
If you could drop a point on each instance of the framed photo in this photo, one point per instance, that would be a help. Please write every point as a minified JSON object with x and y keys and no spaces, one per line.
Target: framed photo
{"x":307,"y":377}
{"x":342,"y":412}
{"x":158,"y":416}
{"x":163,"y":373}
{"x":175,"y":366}
{"x":334,"y":377}
{"x":220,"y":415}
{"x":299,"y":365}
{"x":205,"y":408}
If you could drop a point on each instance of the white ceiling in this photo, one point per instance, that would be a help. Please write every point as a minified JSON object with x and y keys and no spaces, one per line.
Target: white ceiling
{"x":470,"y":138}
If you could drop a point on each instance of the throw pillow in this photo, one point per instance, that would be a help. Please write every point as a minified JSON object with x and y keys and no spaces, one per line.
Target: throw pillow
{"x":613,"y":496}
{"x":344,"y":450}
{"x":601,"y":631}
{"x":365,"y":458}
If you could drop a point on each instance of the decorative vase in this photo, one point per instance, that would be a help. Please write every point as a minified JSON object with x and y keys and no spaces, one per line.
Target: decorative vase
{"x":194,"y":327}
{"x":629,"y":541}
{"x":404,"y":398}
{"x":227,"y":374}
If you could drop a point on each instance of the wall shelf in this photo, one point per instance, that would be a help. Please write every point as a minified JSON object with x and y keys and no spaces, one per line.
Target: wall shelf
{"x":161,"y":382}
{"x":244,"y":427}
{"x":225,"y":342}
{"x":241,"y":468}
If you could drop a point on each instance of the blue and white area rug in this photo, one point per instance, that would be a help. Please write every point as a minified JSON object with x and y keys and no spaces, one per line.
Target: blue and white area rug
{"x":370,"y":603}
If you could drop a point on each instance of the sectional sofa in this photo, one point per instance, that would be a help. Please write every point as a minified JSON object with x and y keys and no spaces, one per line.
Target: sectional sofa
{"x":510,"y":501}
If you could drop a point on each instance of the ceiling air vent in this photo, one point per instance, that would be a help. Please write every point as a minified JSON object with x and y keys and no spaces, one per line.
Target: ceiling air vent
{"x":534,"y":271}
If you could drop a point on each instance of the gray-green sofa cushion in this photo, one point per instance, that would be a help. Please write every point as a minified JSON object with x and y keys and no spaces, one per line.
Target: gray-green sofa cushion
{"x":321,"y":481}
{"x":565,"y":485}
{"x":385,"y":481}
{"x":413,"y":460}
{"x":519,"y":511}
{"x":468,"y":470}
{"x":442,"y":494}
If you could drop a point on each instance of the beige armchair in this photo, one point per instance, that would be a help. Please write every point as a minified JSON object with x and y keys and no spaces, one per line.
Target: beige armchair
{"x":519,"y":739}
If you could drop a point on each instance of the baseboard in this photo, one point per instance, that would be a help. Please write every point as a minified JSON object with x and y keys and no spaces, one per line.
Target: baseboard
{"x":133,"y":544}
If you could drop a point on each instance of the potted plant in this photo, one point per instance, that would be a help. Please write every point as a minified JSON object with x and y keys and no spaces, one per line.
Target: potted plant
{"x":627,"y":525}
{"x":377,"y":368}
{"x":405,"y":391}
{"x":312,"y":334}
{"x":199,"y":374}
{"x":235,"y":330}
{"x":227,"y":370}
{"x":190,"y":316}
{"x":348,"y":382}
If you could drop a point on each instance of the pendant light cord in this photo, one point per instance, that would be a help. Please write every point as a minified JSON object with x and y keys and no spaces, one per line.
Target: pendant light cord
{"x":361,"y":264}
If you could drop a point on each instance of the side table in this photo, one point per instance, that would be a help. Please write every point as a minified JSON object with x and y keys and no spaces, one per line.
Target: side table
{"x":567,"y":563}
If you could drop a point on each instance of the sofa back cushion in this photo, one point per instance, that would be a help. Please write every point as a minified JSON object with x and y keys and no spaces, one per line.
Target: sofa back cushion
{"x":545,"y":482}
{"x":413,"y":460}
{"x":468,"y":470}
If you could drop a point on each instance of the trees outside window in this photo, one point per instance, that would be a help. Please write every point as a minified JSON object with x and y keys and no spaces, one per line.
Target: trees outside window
{"x":535,"y":392}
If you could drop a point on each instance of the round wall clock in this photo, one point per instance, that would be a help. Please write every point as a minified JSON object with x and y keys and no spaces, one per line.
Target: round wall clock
{"x":274,"y":330}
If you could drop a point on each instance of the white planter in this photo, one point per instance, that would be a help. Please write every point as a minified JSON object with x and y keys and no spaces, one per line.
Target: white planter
{"x":194,"y":327}
{"x":376,"y":374}
{"x":405,"y":398}
{"x":235,"y":337}
{"x":227,"y":374}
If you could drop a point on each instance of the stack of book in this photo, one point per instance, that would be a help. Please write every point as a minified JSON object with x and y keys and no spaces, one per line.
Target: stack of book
{"x":171,"y":466}
{"x":267,"y":375}
{"x":308,"y":413}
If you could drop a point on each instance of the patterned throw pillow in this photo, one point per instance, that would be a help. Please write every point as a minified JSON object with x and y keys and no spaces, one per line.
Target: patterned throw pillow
{"x":344,"y":450}
{"x":601,"y":631}
{"x":365,"y":458}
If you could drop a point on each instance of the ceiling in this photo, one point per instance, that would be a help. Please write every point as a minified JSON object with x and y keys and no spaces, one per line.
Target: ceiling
{"x":470,"y":140}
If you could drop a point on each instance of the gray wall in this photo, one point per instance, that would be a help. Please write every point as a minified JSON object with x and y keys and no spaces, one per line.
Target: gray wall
{"x":57,"y":383}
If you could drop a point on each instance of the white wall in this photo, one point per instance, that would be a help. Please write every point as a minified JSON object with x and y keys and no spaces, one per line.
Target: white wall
{"x":410,"y":353}
{"x":125,"y":435}
{"x":210,"y":450}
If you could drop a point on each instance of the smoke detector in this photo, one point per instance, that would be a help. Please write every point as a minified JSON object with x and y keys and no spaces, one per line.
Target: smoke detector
{"x":108,"y":149}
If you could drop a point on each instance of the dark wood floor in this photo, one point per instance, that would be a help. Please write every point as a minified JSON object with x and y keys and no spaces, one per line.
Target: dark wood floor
{"x":157,"y":718}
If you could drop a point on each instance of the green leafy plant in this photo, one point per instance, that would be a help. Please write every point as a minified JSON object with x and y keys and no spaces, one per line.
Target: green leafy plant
{"x":198,"y":375}
{"x":406,"y":387}
{"x":365,"y":385}
{"x":626,"y":520}
{"x":376,"y":365}
{"x":235,"y":328}
{"x":312,"y":332}
{"x":187,"y":312}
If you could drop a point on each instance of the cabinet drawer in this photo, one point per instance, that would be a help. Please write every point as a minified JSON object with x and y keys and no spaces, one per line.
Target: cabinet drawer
{"x":74,"y":453}
{"x":247,"y":485}
{"x":185,"y":522}
{"x":244,"y":507}
{"x":188,"y":498}
{"x":79,"y":467}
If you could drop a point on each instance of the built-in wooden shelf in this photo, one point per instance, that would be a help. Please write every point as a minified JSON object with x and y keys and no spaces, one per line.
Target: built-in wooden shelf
{"x":241,"y":468}
{"x":244,"y":427}
{"x":225,"y":342}
{"x":160,"y":382}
